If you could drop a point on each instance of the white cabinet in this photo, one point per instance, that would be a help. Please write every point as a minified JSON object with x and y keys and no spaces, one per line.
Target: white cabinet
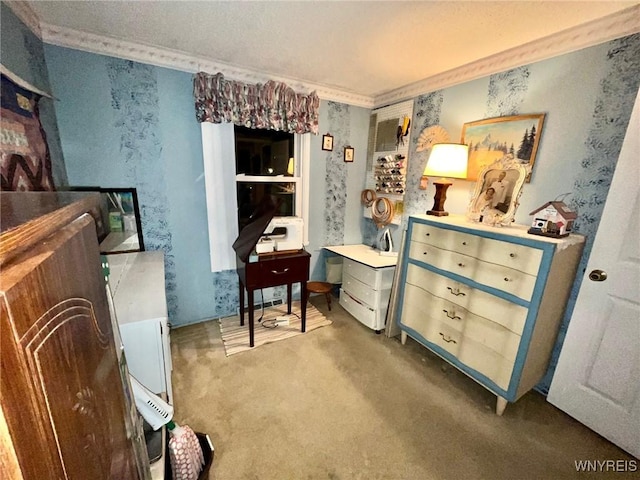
{"x":367,"y":277}
{"x":487,"y":300}
{"x":137,"y":285}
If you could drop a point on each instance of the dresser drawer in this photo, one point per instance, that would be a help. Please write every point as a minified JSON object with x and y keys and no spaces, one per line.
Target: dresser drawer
{"x":441,"y":313}
{"x":486,"y":361}
{"x":503,"y":312}
{"x":421,"y":312}
{"x":519,"y":257}
{"x":492,"y":275}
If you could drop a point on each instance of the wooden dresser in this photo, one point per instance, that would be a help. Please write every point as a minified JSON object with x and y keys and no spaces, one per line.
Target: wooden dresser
{"x":66,"y":409}
{"x":487,"y":300}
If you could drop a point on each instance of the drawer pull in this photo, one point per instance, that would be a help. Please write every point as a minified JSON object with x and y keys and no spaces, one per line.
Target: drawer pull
{"x":464,"y":243}
{"x":275,"y":272}
{"x":424,"y":253}
{"x":507,"y":279}
{"x":427,"y":234}
{"x":456,"y":292}
{"x":447,"y":338}
{"x":452,"y":315}
{"x":461,"y":265}
{"x":512,"y":255}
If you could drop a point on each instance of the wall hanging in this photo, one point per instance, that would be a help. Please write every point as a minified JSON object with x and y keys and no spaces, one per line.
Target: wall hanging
{"x":349,"y":153}
{"x":327,"y":142}
{"x":492,"y":138}
{"x":25,"y":162}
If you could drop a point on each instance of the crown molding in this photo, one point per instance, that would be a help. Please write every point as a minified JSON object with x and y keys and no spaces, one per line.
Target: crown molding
{"x":163,"y":57}
{"x":619,"y":24}
{"x":26,"y":14}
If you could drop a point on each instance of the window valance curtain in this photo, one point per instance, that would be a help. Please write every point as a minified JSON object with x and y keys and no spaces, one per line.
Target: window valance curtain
{"x":273,"y":105}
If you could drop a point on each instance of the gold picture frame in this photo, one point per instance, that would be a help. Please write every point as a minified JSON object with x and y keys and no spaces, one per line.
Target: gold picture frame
{"x":497,"y":192}
{"x":492,"y":138}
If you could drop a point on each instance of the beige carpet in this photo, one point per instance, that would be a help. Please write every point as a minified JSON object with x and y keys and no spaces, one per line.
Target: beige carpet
{"x":236,"y":338}
{"x":342,"y":403}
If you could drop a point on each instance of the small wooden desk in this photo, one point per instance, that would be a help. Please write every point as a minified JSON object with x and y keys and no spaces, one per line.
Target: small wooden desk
{"x":271,"y":270}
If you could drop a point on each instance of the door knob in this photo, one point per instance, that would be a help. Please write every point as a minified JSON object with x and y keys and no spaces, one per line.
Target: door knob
{"x":597,"y":275}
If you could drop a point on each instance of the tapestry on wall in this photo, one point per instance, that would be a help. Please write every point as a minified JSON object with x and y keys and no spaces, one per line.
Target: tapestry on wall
{"x":25,"y":162}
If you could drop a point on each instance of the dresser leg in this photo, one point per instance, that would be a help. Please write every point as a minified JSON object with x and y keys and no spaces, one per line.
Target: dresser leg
{"x":501,"y":404}
{"x":403,"y":337}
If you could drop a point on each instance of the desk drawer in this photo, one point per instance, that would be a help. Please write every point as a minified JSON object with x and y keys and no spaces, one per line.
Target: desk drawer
{"x":277,"y":271}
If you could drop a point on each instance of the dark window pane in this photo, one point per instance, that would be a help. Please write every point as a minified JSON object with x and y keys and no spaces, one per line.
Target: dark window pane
{"x":262,"y":152}
{"x":251,"y":194}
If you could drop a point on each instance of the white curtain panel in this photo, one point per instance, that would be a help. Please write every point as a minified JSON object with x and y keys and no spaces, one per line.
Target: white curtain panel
{"x":218,"y":148}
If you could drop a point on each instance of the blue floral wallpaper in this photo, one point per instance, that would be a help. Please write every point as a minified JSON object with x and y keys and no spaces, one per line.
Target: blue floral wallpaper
{"x":336,"y":175}
{"x":134,"y":100}
{"x":604,"y":139}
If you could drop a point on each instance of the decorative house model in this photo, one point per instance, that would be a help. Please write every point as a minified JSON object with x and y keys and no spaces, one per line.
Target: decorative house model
{"x":553,"y":219}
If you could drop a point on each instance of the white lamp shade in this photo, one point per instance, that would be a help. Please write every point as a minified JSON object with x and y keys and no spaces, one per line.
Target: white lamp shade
{"x":447,"y":160}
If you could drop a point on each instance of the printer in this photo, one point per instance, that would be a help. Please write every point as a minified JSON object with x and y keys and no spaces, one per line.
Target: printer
{"x":282,"y":233}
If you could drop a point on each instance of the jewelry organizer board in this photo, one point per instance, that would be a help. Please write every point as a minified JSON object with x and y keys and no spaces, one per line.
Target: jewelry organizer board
{"x":381,"y":177}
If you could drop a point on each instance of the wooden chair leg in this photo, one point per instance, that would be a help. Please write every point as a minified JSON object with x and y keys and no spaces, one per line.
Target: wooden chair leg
{"x":328,"y":297}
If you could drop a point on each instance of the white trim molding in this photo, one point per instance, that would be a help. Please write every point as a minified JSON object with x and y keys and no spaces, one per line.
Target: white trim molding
{"x":619,"y":24}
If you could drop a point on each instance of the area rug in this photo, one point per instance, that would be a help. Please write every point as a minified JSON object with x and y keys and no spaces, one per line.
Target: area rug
{"x":236,"y":338}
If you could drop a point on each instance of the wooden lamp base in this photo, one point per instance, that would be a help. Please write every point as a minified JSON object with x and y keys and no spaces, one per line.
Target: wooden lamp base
{"x":439,"y":198}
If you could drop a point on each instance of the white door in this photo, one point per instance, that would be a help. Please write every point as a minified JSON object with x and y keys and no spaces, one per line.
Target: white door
{"x":597,"y":380}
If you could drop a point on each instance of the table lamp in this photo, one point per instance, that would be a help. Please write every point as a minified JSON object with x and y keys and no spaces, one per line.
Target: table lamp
{"x":447,"y":160}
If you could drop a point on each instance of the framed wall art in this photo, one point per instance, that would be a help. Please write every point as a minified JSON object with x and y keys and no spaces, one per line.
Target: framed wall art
{"x":327,"y":142}
{"x":348,"y":154}
{"x":492,"y":138}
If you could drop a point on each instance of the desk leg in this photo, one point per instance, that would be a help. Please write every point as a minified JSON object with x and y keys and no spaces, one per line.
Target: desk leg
{"x":303,"y":301}
{"x":241,"y":303}
{"x":289,"y":290}
{"x":250,"y":298}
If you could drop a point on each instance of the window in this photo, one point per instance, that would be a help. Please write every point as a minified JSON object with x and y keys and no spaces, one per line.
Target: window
{"x":265,"y":167}
{"x":237,"y":189}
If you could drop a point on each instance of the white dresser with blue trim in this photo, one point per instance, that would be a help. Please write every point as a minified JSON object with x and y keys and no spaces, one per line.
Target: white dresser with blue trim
{"x":489,"y":300}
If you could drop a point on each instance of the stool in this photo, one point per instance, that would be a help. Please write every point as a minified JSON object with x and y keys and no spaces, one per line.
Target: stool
{"x":320,"y":287}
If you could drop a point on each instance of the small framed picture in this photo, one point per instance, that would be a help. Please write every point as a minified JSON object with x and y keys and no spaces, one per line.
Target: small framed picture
{"x":327,"y":142}
{"x":348,"y":154}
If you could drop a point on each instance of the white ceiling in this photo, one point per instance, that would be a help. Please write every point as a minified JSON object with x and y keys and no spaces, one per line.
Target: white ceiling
{"x":364,"y":47}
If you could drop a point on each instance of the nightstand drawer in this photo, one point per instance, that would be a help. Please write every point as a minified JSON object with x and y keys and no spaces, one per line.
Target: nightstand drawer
{"x":501,"y":311}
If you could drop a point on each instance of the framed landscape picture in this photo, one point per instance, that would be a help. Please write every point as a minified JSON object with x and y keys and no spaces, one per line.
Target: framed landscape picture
{"x":492,"y":138}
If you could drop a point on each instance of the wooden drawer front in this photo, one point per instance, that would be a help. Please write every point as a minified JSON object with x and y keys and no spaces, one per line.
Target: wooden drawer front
{"x":360,"y":291}
{"x":278,"y":271}
{"x":362,"y":312}
{"x":437,"y":311}
{"x":518,"y":257}
{"x":446,"y":239}
{"x":492,"y":335}
{"x":422,"y":312}
{"x":506,"y":279}
{"x":486,"y":361}
{"x":503,"y":312}
{"x":360,"y":272}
